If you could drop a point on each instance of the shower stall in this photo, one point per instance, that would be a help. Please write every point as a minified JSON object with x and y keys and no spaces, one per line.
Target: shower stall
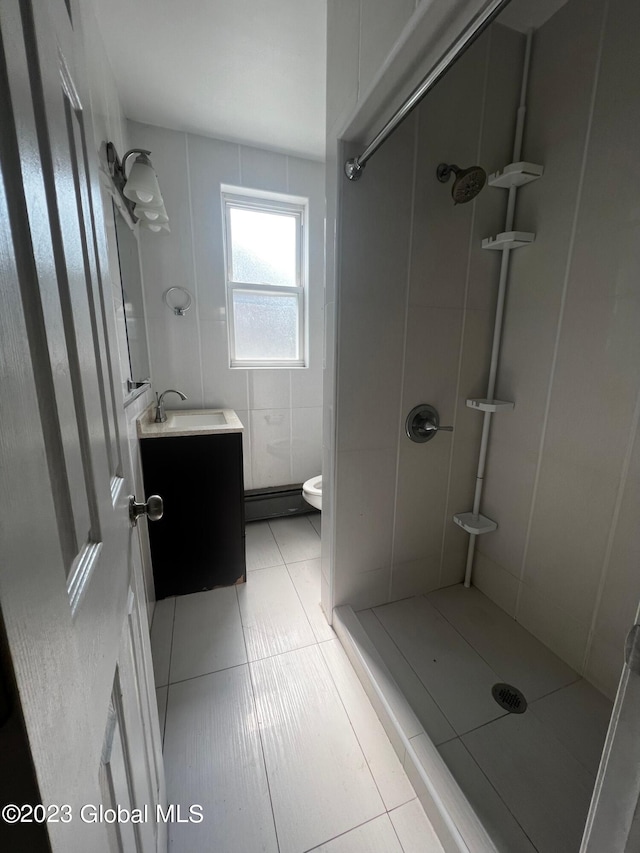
{"x":498,"y":693}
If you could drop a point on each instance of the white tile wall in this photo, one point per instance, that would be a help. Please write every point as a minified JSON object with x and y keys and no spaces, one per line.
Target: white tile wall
{"x":191,"y":353}
{"x":571,"y":335}
{"x":306,"y":443}
{"x":270,"y":446}
{"x":415,"y":305}
{"x":364,"y":517}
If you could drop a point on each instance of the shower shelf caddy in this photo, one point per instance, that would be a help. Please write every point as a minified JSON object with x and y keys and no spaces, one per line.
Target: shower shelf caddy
{"x":508,"y":240}
{"x":476,"y":524}
{"x":513,"y":175}
{"x":490,"y":405}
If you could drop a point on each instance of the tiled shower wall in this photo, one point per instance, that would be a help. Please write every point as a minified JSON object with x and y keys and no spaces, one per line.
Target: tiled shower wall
{"x":281,"y":409}
{"x":415,"y":318}
{"x":414,"y":315}
{"x":563,"y":475}
{"x":367,"y":43}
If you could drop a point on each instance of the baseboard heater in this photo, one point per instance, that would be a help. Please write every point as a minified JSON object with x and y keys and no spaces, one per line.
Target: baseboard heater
{"x":274,"y":502}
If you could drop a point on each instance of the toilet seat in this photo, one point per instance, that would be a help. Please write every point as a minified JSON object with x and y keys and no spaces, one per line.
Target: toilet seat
{"x":312,"y":492}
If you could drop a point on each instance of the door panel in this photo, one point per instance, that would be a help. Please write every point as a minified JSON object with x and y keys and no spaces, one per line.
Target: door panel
{"x":68,"y":583}
{"x":114,"y":781}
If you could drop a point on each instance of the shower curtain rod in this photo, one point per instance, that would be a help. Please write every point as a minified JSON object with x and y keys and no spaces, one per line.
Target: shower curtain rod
{"x":353,"y":167}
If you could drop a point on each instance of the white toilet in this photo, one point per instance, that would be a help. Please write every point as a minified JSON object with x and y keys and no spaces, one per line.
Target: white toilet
{"x":312,"y":492}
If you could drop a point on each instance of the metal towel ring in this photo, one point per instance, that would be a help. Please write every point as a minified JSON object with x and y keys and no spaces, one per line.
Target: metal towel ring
{"x":178,"y":310}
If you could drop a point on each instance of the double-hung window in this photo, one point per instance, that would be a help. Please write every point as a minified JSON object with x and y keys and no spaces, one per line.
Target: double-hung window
{"x":265,"y":257}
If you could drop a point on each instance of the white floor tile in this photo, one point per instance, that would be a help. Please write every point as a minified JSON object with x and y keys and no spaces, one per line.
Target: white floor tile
{"x":578,"y":716}
{"x":537,"y":778}
{"x":395,"y":789}
{"x":509,"y":649}
{"x":296,"y":538}
{"x":161,"y":699}
{"x":207,"y":634}
{"x":306,"y":577}
{"x":431,"y":717}
{"x":377,"y":836}
{"x":320,"y":783}
{"x":414,"y":830}
{"x":457,"y":678}
{"x":316,"y":520}
{"x":501,"y":825}
{"x":213,"y":757}
{"x":161,"y":635}
{"x":260,"y":546}
{"x":273,"y":618}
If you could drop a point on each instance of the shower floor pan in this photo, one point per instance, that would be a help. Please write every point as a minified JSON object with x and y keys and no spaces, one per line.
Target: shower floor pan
{"x":489,"y":779}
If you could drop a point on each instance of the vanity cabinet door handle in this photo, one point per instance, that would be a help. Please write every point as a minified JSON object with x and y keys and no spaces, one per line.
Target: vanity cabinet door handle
{"x":153,"y":509}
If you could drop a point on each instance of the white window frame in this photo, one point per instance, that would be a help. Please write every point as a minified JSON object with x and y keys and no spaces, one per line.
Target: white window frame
{"x":239,"y":197}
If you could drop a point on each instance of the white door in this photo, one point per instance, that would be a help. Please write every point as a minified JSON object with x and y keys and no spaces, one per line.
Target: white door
{"x":613,"y":825}
{"x":70,"y":598}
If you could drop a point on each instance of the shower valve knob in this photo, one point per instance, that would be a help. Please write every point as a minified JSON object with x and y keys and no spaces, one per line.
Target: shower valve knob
{"x":423,"y":422}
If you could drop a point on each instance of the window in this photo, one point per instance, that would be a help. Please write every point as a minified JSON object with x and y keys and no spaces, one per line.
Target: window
{"x":265,"y":256}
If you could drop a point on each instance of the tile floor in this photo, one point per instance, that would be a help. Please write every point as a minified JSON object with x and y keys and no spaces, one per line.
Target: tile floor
{"x":265,"y":722}
{"x":529,"y":776}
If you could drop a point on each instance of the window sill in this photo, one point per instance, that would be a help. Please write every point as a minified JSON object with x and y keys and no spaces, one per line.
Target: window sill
{"x":268,"y":365}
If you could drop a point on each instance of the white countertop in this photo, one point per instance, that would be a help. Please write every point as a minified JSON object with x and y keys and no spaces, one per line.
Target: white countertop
{"x":181,"y":422}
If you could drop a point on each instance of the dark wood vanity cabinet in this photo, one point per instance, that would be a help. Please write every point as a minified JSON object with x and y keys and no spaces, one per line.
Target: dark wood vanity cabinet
{"x":199,"y":541}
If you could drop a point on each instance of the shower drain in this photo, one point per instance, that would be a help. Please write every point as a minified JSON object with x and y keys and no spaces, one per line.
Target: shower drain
{"x":509,"y":698}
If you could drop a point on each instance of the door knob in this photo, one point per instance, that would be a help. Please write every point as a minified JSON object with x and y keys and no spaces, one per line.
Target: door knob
{"x":423,"y":422}
{"x":153,"y":509}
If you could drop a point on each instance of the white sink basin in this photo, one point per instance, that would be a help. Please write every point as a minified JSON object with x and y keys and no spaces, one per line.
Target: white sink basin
{"x":186,"y":420}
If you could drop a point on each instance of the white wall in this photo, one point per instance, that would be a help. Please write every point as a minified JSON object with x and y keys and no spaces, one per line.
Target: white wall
{"x":563,"y":477}
{"x":416,"y":306}
{"x":377,"y":52}
{"x":280,"y":409}
{"x":352,"y":26}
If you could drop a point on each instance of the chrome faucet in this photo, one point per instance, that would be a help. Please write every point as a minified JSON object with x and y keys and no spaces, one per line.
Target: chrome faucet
{"x":161,"y":415}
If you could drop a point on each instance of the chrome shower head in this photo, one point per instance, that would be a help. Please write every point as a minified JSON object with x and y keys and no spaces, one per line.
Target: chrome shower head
{"x":467,"y":184}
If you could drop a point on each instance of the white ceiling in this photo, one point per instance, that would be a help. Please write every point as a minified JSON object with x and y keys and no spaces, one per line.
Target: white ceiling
{"x":250,"y":71}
